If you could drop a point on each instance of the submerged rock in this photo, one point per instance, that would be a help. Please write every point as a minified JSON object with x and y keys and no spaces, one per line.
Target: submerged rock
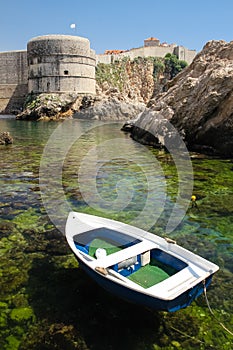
{"x":5,"y":138}
{"x":6,"y":229}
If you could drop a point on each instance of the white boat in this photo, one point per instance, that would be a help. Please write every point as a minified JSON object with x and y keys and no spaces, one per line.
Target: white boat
{"x":136,"y":265}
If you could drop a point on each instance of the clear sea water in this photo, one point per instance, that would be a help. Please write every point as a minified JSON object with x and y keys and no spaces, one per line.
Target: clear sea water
{"x":46,"y":301}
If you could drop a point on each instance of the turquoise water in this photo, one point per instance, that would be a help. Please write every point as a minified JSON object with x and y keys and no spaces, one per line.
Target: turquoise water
{"x":46,"y":301}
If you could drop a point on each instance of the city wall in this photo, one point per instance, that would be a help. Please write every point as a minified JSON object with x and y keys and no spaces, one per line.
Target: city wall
{"x":13,"y":80}
{"x":181,"y":52}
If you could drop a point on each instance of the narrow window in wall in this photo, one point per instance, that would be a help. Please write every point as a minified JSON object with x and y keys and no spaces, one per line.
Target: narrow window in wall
{"x":66,"y":72}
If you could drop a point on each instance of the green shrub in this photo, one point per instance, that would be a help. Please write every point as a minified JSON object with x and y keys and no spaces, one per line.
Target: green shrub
{"x":173,"y":65}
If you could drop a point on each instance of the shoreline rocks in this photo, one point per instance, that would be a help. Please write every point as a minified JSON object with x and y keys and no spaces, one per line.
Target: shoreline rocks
{"x":53,"y":107}
{"x":111,"y":109}
{"x":48,"y":107}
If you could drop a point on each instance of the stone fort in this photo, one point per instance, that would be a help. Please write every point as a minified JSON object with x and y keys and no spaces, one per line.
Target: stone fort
{"x":51,"y":64}
{"x":63,"y":64}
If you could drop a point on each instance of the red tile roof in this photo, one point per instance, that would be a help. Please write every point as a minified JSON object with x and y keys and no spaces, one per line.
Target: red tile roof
{"x":151,"y":39}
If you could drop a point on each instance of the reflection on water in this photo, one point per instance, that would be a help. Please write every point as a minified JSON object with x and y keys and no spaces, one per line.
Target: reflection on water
{"x":103,"y":172}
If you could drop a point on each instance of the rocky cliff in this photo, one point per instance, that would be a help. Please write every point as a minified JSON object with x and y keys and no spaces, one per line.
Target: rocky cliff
{"x":198,"y":102}
{"x":123,"y":90}
{"x":125,"y":87}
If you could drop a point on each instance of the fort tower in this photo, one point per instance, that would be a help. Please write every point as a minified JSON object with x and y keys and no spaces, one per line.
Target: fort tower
{"x":61,"y":63}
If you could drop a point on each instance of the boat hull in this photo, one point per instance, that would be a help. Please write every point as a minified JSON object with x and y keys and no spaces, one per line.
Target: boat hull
{"x":133,"y":296}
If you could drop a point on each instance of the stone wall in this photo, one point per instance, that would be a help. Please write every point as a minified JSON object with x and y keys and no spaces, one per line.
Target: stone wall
{"x":184,"y":54}
{"x":13,"y":80}
{"x":12,"y":97}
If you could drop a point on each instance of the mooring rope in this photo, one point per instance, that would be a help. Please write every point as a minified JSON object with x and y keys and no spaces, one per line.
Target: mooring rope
{"x":211,"y":311}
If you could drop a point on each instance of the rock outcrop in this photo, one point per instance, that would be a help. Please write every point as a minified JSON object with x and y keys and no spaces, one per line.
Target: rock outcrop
{"x":109,"y":105}
{"x":111,"y":110}
{"x":123,"y":89}
{"x":198,"y":103}
{"x":49,"y":107}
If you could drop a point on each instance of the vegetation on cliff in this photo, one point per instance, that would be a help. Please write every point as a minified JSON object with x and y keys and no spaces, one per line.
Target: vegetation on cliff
{"x":173,"y":65}
{"x":139,"y":78}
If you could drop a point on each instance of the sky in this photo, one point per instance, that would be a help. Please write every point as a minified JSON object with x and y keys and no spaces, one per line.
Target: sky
{"x":117,"y":24}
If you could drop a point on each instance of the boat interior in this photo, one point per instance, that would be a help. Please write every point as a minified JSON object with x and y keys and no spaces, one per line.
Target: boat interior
{"x":146,"y":269}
